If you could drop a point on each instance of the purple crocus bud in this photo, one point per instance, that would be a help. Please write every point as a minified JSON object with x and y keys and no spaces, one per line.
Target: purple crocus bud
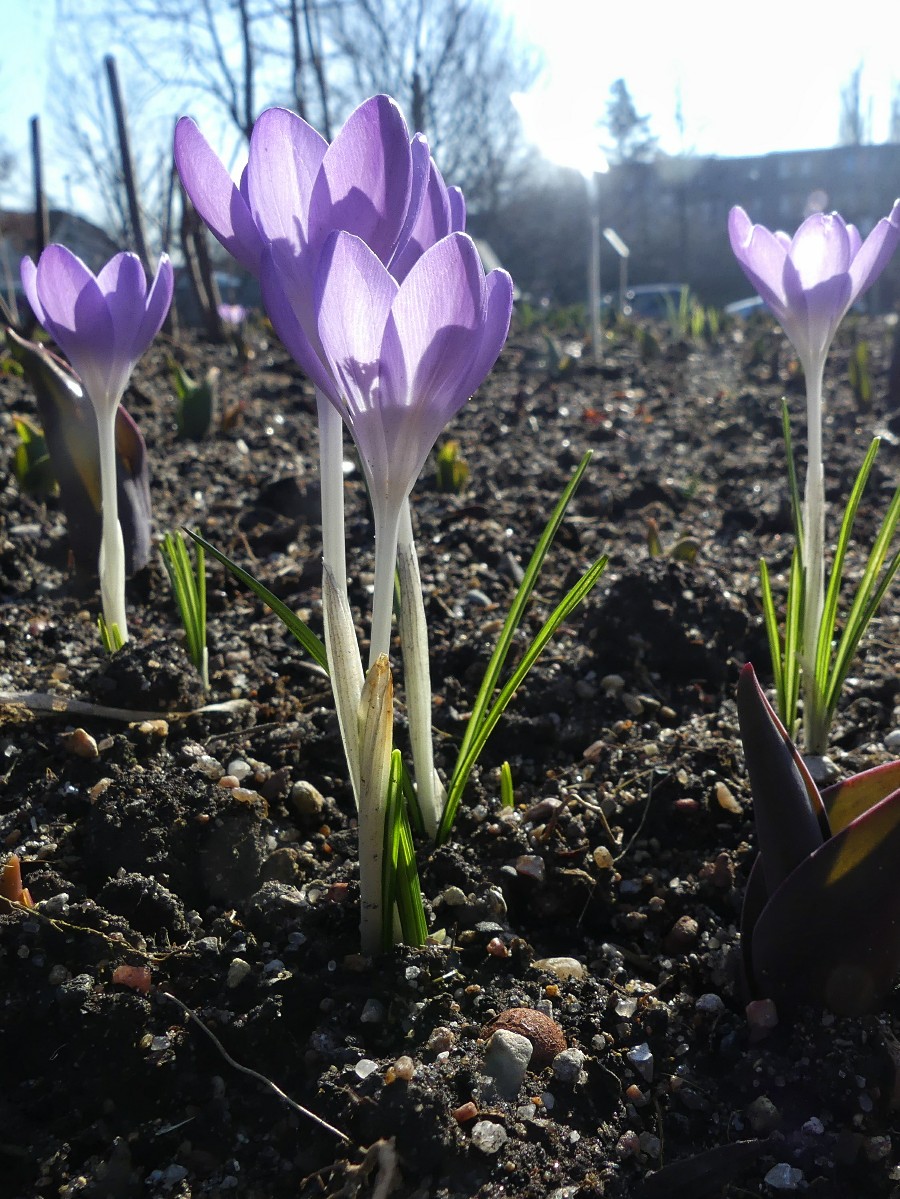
{"x":403,"y":359}
{"x":233,"y":314}
{"x":102,"y":323}
{"x":809,"y":281}
{"x":407,"y":356}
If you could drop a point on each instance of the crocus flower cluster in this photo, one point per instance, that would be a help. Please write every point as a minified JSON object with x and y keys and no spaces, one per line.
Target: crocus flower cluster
{"x":382,"y":300}
{"x":809,"y":281}
{"x":821,"y":917}
{"x":103,"y":324}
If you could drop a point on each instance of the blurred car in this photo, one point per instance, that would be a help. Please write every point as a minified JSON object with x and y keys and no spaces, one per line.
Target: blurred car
{"x":654,"y":300}
{"x":745,"y":309}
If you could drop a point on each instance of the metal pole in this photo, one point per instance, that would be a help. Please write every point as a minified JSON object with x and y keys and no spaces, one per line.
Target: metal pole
{"x":594,"y":265}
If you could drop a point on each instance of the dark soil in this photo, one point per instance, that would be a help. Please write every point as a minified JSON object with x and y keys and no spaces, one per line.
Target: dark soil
{"x":628,"y":848}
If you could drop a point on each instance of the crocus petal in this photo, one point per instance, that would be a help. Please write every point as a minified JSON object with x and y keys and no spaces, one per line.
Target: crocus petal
{"x":421,"y":170}
{"x":432,"y":223}
{"x":436,"y":320}
{"x":365,"y":179}
{"x":158,"y":303}
{"x":285,"y":156}
{"x":353,"y":298}
{"x":457,"y":210}
{"x":28,"y":273}
{"x":874,"y":253}
{"x":286,"y":306}
{"x":761,"y":256}
{"x":820,"y":249}
{"x":497,"y":315}
{"x":124,"y":285}
{"x":78,"y":319}
{"x":214,"y":195}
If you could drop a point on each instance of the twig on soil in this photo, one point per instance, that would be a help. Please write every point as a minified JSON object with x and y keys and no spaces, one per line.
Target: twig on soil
{"x":303,"y":1111}
{"x":49,"y":701}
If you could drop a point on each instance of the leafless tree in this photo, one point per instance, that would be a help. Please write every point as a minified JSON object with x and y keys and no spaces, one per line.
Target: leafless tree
{"x":452,"y":65}
{"x":855,"y":127}
{"x":83,"y":134}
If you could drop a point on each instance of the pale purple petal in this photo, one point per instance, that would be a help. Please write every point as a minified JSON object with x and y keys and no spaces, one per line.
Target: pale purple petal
{"x":495,"y":329}
{"x":158,"y":303}
{"x":365,"y":180}
{"x":436,"y":319}
{"x":285,"y":156}
{"x":214,"y":195}
{"x":353,"y":298}
{"x":124,"y":284}
{"x":457,"y":210}
{"x":286,"y":308}
{"x":432,"y":223}
{"x":820,"y":249}
{"x":761,"y":256}
{"x":28,"y":273}
{"x":421,"y":170}
{"x":77,"y":318}
{"x":855,"y":241}
{"x":875,"y":252}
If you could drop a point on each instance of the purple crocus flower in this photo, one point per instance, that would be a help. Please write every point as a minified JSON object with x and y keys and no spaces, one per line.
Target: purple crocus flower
{"x":810,"y":280}
{"x":405,"y":358}
{"x":296,"y":189}
{"x":103,"y":324}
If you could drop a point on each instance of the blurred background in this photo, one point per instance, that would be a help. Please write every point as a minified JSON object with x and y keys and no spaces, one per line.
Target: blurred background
{"x":559,"y":119}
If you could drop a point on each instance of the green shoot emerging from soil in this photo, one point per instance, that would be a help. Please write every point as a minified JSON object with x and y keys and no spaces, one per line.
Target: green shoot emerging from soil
{"x":189,"y":586}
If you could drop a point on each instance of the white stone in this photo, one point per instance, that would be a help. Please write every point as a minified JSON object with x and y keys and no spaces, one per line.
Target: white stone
{"x":784,"y":1177}
{"x":488,"y":1136}
{"x":506,"y":1061}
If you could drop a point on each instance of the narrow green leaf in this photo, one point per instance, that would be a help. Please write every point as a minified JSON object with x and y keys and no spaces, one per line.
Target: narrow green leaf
{"x":307,"y":638}
{"x":517,"y":610}
{"x":866,"y":602}
{"x":793,"y":484}
{"x":507,"y":794}
{"x":477,"y":742}
{"x":793,"y":624}
{"x":770,"y":622}
{"x":829,"y":610}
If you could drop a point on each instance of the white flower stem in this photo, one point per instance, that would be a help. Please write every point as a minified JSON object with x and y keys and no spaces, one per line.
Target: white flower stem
{"x":112,"y":545}
{"x":387,"y":522}
{"x":344,"y":662}
{"x":813,"y":557}
{"x":331,"y":481}
{"x":345,"y":670}
{"x":417,"y":675}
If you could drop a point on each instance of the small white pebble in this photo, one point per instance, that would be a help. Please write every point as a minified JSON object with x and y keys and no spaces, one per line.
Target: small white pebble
{"x":364,"y":1067}
{"x":239,"y":769}
{"x":237,"y":972}
{"x":488,"y":1136}
{"x":784,"y":1177}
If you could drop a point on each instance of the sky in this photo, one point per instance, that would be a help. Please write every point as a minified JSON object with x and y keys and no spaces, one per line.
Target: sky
{"x":751,"y":78}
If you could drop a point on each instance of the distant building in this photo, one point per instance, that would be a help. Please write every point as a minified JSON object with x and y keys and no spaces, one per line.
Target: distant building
{"x":673,"y":216}
{"x":673,"y":213}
